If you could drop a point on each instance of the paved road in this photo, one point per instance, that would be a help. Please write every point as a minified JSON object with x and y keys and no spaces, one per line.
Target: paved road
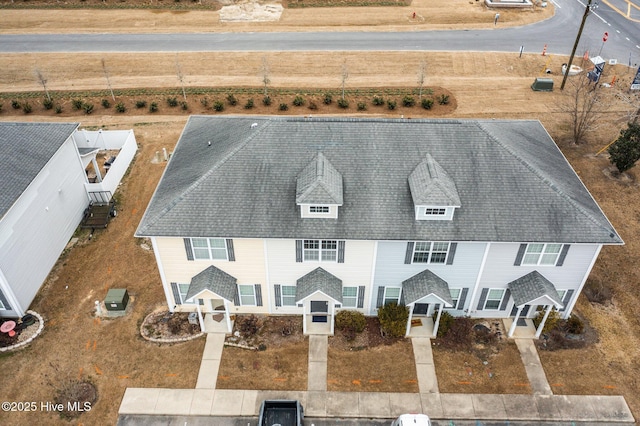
{"x":558,"y":33}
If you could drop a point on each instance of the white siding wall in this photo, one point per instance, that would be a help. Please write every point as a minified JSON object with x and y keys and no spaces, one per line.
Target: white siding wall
{"x":249,"y":267}
{"x":121,"y":164}
{"x":284,"y":270}
{"x":35,"y":231}
{"x":499,"y":270}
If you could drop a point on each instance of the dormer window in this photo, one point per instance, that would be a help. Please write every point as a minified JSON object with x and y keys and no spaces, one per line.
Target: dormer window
{"x":319,"y":189}
{"x":434,"y":193}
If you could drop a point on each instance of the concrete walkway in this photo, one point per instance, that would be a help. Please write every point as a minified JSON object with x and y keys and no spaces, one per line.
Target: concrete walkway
{"x":540,"y":406}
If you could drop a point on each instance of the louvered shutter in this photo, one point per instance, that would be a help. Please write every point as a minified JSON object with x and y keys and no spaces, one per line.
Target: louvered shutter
{"x":230,"y":253}
{"x":462,"y":299}
{"x":340,"y":251}
{"x":483,"y":297}
{"x":188,"y":249}
{"x":452,"y":253}
{"x":258,"y":288}
{"x":380,"y":299}
{"x":298,"y":250}
{"x":563,"y":255}
{"x":361,"y":290}
{"x":505,"y":300}
{"x":176,"y":293}
{"x":276,"y":289}
{"x":520,"y":255}
{"x":408,"y":257}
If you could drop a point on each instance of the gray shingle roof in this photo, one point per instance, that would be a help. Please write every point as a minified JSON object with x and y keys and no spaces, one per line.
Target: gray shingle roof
{"x":513,"y":182}
{"x":531,"y":287}
{"x":431,"y":185}
{"x":215,"y":280}
{"x":424,"y":284}
{"x":319,"y":183}
{"x":319,"y":280}
{"x":25,"y":148}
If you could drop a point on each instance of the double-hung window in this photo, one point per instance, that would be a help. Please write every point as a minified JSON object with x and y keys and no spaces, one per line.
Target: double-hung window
{"x":320,"y":250}
{"x":209,"y":248}
{"x":391,"y":294}
{"x":183,"y":289}
{"x":288,"y":295}
{"x":541,"y":254}
{"x":430,"y":252}
{"x":349,"y":297}
{"x":247,"y":294}
{"x":455,"y":296}
{"x":494,"y":299}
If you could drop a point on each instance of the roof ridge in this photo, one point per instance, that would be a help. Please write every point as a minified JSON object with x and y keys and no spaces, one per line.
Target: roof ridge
{"x":206,"y":175}
{"x":549,"y":182}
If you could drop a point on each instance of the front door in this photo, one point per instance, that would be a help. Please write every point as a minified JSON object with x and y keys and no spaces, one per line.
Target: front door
{"x":420,"y":309}
{"x":319,"y":311}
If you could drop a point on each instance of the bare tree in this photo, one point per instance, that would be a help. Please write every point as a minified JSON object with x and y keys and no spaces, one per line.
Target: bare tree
{"x":632,"y":99}
{"x":264,"y":69}
{"x":345,"y":76}
{"x":180,"y":78}
{"x":422,"y":72}
{"x":106,"y":75}
{"x":43,"y":81}
{"x":583,"y":103}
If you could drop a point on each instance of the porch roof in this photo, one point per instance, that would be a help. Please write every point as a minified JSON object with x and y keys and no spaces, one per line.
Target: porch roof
{"x":424,"y":284}
{"x":533,"y":286}
{"x":319,"y":280}
{"x":214,"y":280}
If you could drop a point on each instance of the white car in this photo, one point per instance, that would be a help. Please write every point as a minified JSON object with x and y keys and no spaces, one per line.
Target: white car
{"x":412,"y":420}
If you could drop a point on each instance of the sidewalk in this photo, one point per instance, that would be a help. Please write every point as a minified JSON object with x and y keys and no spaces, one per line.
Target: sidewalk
{"x":542,"y":405}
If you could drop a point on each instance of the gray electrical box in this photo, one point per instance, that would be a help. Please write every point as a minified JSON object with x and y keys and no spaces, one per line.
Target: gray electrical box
{"x":117,"y":299}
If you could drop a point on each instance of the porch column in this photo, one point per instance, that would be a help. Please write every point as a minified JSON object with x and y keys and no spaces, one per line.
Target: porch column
{"x":96,"y":169}
{"x":514,"y":324}
{"x":333,"y":316}
{"x":304,"y":318}
{"x":409,"y":321}
{"x":227,"y":314}
{"x":437,"y":323}
{"x":200,"y":319}
{"x":544,"y":319}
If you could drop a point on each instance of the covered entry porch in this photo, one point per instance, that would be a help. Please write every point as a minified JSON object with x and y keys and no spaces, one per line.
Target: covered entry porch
{"x":425,"y":294}
{"x":213,"y":291}
{"x":317,"y":293}
{"x":529,"y":292}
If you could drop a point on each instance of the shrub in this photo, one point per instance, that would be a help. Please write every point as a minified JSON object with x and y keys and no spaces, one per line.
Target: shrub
{"x":343,"y":103}
{"x":58,"y":109}
{"x":120,"y":107}
{"x":26,"y":108}
{"x":443,"y":99}
{"x":327,"y":99}
{"x":393,"y":319}
{"x":391,"y":104}
{"x":298,"y":101}
{"x":172,"y":102}
{"x":184,"y":106}
{"x":313,"y":105}
{"x":218,"y":106}
{"x":552,"y":320}
{"x":266,"y":101}
{"x":460,"y":333}
{"x":47,"y":103}
{"x":232,"y":100}
{"x":153,"y":107}
{"x":597,"y":291}
{"x":426,"y":103}
{"x":105,"y":103}
{"x":485,"y":335}
{"x":88,"y":108}
{"x":204,"y":102}
{"x":378,"y":100}
{"x":15,"y":104}
{"x":446,"y":319}
{"x":408,"y":101}
{"x":77,"y":104}
{"x":249,"y":104}
{"x":350,"y":320}
{"x":574,"y":325}
{"x":141,"y":104}
{"x":362,"y":106}
{"x":248,"y":326}
{"x":283,"y":107}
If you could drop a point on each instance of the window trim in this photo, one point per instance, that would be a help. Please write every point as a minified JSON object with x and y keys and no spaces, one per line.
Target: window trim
{"x":354,"y":297}
{"x":253,"y":293}
{"x":384,"y":298}
{"x":209,"y":248}
{"x":183,"y":298}
{"x":2,"y":307}
{"x":455,"y":299}
{"x":320,"y":250}
{"x":318,"y":209}
{"x":541,"y":254}
{"x":487,"y":299}
{"x":430,"y":252}
{"x":434,"y":211}
{"x":282,"y":296}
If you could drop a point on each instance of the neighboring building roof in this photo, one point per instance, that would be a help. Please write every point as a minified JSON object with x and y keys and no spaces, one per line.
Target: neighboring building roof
{"x":25,"y":148}
{"x":423,"y":284}
{"x":214,"y":280}
{"x":533,"y":286}
{"x":513,"y":182}
{"x":431,"y":185}
{"x":319,"y":280}
{"x":319,"y":183}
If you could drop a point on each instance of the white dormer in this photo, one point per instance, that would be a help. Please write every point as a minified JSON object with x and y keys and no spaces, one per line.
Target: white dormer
{"x":319,"y":189}
{"x":434,"y":193}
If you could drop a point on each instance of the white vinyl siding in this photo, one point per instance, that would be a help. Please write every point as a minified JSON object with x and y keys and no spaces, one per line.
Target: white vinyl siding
{"x":288,"y":295}
{"x":391,"y":294}
{"x":247,"y":295}
{"x":494,"y":299}
{"x":542,"y":254}
{"x":209,"y":248}
{"x":349,"y":297}
{"x":320,"y":250}
{"x":430,"y":252}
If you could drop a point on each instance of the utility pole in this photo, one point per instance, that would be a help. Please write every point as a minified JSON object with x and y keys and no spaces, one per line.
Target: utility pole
{"x":587,"y":9}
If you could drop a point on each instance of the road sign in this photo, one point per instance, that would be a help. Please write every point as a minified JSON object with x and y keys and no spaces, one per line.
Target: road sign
{"x":635,"y":85}
{"x":605,"y":36}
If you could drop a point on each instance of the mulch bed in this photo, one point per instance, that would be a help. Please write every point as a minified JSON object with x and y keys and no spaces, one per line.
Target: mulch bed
{"x":165,"y":325}
{"x":371,"y":337}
